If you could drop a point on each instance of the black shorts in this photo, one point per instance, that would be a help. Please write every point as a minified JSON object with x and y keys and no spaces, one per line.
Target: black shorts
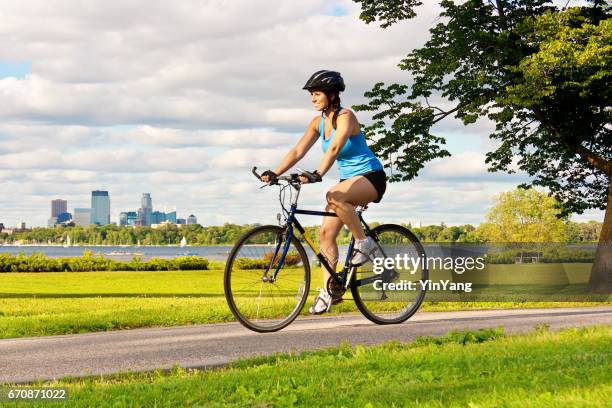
{"x":378,"y":178}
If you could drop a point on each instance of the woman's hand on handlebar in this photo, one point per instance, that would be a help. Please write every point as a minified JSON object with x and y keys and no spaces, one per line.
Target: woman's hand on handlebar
{"x":269,"y":177}
{"x":310,"y":177}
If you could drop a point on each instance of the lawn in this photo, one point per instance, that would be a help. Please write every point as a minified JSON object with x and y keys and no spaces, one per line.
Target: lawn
{"x":38,"y":304}
{"x":476,"y":369}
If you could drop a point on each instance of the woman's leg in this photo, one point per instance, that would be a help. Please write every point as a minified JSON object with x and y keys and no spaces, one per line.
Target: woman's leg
{"x":327,"y":239}
{"x":345,"y":196}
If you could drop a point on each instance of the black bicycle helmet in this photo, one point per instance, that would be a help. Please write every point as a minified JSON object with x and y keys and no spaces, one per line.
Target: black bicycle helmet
{"x":325,"y":80}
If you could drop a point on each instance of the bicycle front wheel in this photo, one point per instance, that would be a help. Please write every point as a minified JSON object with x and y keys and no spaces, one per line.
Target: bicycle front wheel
{"x":392,"y":292}
{"x":261,"y":298}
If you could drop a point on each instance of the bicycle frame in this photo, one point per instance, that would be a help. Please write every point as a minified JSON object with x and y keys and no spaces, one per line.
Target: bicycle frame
{"x":343,"y":278}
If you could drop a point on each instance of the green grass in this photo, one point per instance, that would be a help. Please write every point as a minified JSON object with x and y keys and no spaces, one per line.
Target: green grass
{"x":38,"y":304}
{"x":470,"y":369}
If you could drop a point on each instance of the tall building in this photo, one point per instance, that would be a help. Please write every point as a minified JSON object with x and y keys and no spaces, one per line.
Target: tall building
{"x":128,"y":218}
{"x":146,"y":209}
{"x":146,"y":201}
{"x":171,"y":217}
{"x":157,"y":217}
{"x":100,"y":207}
{"x":123,"y":219}
{"x":82,"y":216}
{"x":58,"y":207}
{"x":192,"y":219}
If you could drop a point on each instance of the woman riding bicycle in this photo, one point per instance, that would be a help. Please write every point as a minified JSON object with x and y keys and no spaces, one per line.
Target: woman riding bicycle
{"x":362,"y":178}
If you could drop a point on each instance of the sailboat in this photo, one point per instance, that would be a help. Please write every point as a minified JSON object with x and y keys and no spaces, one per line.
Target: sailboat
{"x":183,"y":244}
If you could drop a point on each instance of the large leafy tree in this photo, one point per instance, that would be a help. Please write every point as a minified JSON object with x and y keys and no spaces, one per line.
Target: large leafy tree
{"x":524,"y":215}
{"x":541,"y":73}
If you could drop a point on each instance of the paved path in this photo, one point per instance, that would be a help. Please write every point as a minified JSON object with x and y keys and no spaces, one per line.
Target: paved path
{"x":206,"y":346}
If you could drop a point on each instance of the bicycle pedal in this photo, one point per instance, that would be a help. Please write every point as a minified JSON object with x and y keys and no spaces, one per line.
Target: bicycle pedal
{"x":337,"y":301}
{"x":367,"y":261}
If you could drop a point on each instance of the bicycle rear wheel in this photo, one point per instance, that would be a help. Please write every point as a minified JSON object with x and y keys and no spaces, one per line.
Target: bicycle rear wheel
{"x":260,"y":301}
{"x":395,"y":294}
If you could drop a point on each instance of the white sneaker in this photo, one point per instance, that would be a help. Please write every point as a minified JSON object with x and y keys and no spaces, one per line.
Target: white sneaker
{"x":322,"y":303}
{"x":363,"y":251}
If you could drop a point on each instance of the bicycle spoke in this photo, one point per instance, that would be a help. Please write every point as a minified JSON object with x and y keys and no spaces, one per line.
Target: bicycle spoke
{"x":396,"y":303}
{"x":258,"y":301}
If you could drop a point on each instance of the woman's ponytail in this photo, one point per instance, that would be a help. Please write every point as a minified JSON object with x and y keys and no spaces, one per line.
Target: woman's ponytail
{"x":335,"y":104}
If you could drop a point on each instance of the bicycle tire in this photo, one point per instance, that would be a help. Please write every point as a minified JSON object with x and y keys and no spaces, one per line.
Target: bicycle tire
{"x":375,"y":304}
{"x":237,"y":294}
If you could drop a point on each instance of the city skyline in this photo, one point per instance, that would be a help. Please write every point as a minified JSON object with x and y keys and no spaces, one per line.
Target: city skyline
{"x":84,"y":216}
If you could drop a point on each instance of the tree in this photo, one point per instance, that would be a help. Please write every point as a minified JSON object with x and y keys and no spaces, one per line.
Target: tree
{"x":541,"y":73}
{"x":428,"y":233}
{"x":584,"y":231}
{"x":449,"y":234}
{"x":524,"y":215}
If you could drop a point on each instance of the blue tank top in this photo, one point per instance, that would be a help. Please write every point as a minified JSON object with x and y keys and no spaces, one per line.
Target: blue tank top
{"x":355,"y":157}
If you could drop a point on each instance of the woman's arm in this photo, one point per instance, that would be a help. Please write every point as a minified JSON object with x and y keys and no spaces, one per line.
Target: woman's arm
{"x":301,"y":148}
{"x":344,"y":125}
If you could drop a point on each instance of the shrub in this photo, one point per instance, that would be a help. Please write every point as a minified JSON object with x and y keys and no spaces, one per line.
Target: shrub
{"x":506,"y":257}
{"x":554,"y":255}
{"x":248,"y":263}
{"x":38,"y":262}
{"x":292,"y":259}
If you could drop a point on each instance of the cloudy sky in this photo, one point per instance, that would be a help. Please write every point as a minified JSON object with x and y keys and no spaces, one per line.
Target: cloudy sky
{"x":181,"y":99}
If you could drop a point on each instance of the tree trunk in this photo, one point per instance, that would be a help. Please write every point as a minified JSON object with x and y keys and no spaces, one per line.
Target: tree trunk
{"x":601,"y":273}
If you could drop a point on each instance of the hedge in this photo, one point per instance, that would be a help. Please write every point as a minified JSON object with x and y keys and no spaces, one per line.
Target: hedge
{"x":40,"y":263}
{"x":292,"y":259}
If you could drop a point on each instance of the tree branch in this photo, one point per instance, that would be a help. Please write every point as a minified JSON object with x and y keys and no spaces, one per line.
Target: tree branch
{"x":432,"y":107}
{"x":594,"y":160}
{"x":445,"y":114}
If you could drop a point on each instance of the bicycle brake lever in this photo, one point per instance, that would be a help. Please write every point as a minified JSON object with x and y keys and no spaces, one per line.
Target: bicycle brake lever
{"x":269,"y":185}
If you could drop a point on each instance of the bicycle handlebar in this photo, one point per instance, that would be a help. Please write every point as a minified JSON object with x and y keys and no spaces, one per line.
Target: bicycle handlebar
{"x":254,"y":170}
{"x":310,"y":176}
{"x":291,"y":178}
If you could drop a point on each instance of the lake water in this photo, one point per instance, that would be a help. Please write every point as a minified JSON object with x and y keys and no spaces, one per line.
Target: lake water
{"x":218,"y":253}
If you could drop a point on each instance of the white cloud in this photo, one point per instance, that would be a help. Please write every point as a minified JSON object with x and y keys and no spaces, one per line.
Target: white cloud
{"x":467,"y":164}
{"x":253,"y":137}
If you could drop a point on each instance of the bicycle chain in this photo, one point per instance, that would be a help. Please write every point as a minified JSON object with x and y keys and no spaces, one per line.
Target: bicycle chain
{"x":335,"y":289}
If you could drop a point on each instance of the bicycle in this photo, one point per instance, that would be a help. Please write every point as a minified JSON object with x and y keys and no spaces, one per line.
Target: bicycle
{"x":267,"y":274}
